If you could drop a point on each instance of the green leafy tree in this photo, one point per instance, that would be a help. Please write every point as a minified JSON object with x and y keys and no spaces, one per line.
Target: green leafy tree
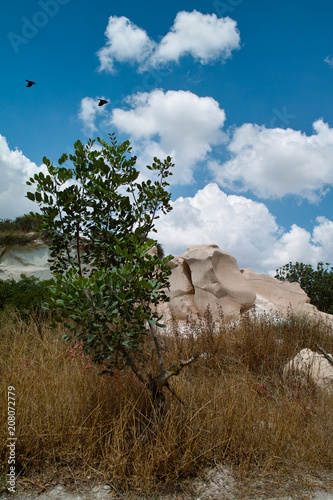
{"x":317,"y":283}
{"x":107,"y":283}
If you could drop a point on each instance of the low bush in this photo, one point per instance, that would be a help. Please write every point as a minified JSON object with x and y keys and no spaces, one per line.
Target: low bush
{"x":16,"y":238}
{"x":24,"y":224}
{"x":26,"y":296}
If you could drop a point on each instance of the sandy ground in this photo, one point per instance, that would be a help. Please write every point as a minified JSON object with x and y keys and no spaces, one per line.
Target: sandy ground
{"x":216,"y":484}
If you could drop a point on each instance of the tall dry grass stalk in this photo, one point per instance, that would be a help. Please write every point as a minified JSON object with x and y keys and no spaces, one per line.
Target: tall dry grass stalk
{"x":238,"y":407}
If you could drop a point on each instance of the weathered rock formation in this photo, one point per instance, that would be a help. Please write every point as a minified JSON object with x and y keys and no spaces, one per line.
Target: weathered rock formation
{"x":277,"y":296}
{"x":204,"y":275}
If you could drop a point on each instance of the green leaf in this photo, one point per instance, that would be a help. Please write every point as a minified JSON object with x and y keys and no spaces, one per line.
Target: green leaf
{"x":31,"y":196}
{"x":63,"y":158}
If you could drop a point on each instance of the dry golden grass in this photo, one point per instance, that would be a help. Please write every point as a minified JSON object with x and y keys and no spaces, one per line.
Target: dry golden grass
{"x":238,"y":408}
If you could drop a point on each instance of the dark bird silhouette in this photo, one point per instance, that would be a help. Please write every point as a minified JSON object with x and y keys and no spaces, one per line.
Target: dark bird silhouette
{"x":102,"y":102}
{"x":30,"y":83}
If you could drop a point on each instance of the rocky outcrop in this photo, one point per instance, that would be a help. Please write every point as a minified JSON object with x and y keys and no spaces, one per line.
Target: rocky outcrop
{"x":277,"y":296}
{"x":203,"y":276}
{"x":309,"y":365}
{"x":206,"y":276}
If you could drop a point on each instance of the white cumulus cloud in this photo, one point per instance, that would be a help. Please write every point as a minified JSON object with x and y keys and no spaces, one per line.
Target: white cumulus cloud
{"x":323,"y":234}
{"x":205,"y":37}
{"x":276,"y":162}
{"x":244,"y":228}
{"x":126,"y":42}
{"x":174,"y":123}
{"x":300,"y":245}
{"x":15,"y":170}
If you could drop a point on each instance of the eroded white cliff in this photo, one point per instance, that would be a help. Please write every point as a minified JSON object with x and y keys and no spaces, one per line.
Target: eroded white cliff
{"x":30,"y":259}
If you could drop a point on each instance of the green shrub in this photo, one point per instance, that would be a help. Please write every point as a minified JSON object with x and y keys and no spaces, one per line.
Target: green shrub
{"x":26,"y":295}
{"x":25,"y":224}
{"x":317,"y":283}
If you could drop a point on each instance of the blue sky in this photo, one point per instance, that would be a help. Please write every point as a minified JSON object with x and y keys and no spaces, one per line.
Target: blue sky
{"x":238,"y":92}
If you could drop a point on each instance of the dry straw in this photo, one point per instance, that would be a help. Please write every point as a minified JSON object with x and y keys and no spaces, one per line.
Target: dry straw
{"x":238,"y":409}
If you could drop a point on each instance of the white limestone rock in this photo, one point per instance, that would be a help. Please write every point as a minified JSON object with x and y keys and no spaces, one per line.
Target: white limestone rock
{"x":311,"y":365}
{"x":280,"y":295}
{"x":217,"y":281}
{"x":30,"y":259}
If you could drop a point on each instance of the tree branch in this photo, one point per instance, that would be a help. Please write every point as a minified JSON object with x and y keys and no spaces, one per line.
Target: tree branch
{"x":162,"y":379}
{"x":133,"y":366}
{"x":158,"y":347}
{"x":78,"y":247}
{"x":327,"y":356}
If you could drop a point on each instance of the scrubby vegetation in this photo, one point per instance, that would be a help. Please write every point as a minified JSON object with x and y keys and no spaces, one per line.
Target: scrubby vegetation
{"x":317,"y":283}
{"x":20,"y":231}
{"x":238,"y":409}
{"x":26,"y":296}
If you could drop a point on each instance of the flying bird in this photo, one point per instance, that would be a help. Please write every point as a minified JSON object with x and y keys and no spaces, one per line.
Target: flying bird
{"x":30,"y":83}
{"x":102,"y":102}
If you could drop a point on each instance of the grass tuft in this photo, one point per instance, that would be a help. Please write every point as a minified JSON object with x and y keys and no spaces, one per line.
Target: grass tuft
{"x":238,"y":407}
